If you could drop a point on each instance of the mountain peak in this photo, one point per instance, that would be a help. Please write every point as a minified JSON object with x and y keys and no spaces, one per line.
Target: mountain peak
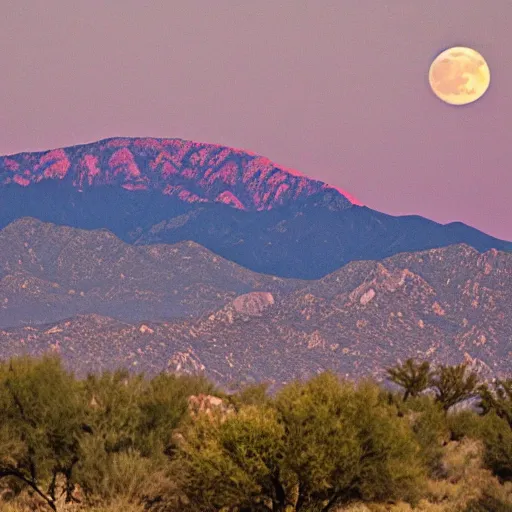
{"x":191,"y":171}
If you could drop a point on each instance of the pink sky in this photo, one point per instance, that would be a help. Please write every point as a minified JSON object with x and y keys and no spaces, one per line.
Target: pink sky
{"x":335,"y":89}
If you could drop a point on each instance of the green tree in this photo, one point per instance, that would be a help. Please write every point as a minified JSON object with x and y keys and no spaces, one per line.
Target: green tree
{"x":315,"y":446}
{"x":454,"y":384}
{"x":412,"y":376}
{"x":113,"y":411}
{"x":41,"y":426}
{"x":113,"y":415}
{"x":231,"y":461}
{"x":322,"y":449}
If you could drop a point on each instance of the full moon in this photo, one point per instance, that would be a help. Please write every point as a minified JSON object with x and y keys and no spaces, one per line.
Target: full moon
{"x":459,"y":76}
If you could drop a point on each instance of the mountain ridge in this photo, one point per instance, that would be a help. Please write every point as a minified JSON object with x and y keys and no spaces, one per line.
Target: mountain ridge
{"x":50,"y":272}
{"x":192,"y":171}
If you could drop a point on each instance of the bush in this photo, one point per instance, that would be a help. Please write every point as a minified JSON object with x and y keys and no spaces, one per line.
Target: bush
{"x":254,"y":394}
{"x":131,"y":421}
{"x":464,"y":424}
{"x":104,"y":476}
{"x":162,"y":405}
{"x":429,"y":425}
{"x":488,"y":504}
{"x":497,"y":438}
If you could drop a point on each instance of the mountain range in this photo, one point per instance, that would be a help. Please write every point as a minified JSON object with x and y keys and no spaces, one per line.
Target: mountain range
{"x":102,"y":303}
{"x":241,"y":206}
{"x":164,"y":254}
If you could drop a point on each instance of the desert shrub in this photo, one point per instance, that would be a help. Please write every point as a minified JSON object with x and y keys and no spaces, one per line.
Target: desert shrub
{"x":131,"y":421}
{"x":352,"y":443}
{"x":488,"y":504}
{"x":230,"y":461}
{"x":496,"y":435}
{"x":105,"y":477}
{"x":493,"y":498}
{"x":163,"y":404}
{"x":130,"y":412}
{"x":113,"y":411}
{"x":429,"y":425}
{"x":118,"y":505}
{"x":464,"y":423}
{"x":390,"y":466}
{"x":253,"y":394}
{"x":465,"y":480}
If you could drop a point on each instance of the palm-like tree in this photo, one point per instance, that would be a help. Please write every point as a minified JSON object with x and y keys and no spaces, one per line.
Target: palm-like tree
{"x":412,"y":376}
{"x":454,"y":384}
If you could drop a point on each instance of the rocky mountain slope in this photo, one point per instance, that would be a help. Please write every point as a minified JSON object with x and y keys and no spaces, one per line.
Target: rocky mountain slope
{"x":49,"y":272}
{"x":446,"y":305}
{"x":191,"y":171}
{"x":239,"y":205}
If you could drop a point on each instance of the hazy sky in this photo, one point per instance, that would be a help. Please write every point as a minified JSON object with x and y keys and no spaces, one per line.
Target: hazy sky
{"x":337,"y":89}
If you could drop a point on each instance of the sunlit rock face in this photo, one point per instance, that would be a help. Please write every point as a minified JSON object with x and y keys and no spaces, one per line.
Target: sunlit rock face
{"x":192,"y":171}
{"x":185,"y":363}
{"x":254,"y":303}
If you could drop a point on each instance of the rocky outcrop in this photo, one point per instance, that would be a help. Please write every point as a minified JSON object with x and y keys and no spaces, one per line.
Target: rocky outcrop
{"x":254,"y":303}
{"x":185,"y":363}
{"x":209,"y":405}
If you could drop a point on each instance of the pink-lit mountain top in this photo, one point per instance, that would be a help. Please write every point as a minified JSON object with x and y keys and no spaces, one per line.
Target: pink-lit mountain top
{"x":192,"y":171}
